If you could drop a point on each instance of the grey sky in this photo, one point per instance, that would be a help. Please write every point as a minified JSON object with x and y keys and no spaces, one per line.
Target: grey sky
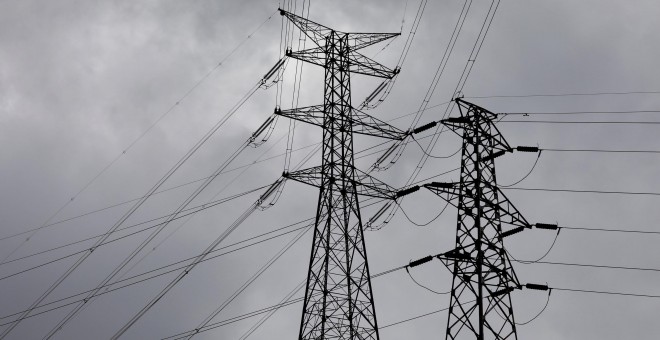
{"x":81,"y":80}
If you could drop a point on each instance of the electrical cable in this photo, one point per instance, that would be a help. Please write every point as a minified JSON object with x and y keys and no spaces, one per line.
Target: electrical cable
{"x":564,"y":94}
{"x":460,"y":85}
{"x":142,"y":135}
{"x":150,"y":251}
{"x":286,"y":302}
{"x":254,"y":277}
{"x":540,"y":258}
{"x":538,"y":156}
{"x":575,"y":112}
{"x":539,"y":313}
{"x":606,"y":292}
{"x":645,"y":232}
{"x":587,"y":191}
{"x":581,"y":122}
{"x":190,"y":211}
{"x":432,"y":156}
{"x":602,"y":151}
{"x":111,"y":285}
{"x":423,"y":224}
{"x":423,"y":286}
{"x":134,"y":208}
{"x":595,"y":266}
{"x":201,"y":179}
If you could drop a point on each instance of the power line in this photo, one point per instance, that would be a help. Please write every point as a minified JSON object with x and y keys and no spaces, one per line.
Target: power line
{"x":592,"y":266}
{"x":564,"y":94}
{"x":575,"y":112}
{"x":602,"y":150}
{"x":142,"y":135}
{"x":587,"y":191}
{"x":605,"y":292}
{"x":579,"y":122}
{"x":189,"y":212}
{"x":171,"y":265}
{"x":614,"y":230}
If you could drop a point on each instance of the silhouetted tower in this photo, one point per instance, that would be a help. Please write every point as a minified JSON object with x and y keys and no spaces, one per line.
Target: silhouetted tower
{"x":480,"y":306}
{"x":338,"y":301}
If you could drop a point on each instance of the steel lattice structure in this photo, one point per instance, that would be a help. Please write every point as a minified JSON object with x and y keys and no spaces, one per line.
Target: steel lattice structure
{"x":338,"y":301}
{"x":483,"y":278}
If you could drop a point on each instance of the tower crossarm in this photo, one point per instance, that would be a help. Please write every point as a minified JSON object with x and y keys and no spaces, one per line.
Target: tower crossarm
{"x":506,"y":211}
{"x":318,"y":33}
{"x":361,"y":122}
{"x":365,"y":184}
{"x":473,"y":116}
{"x":357,"y":62}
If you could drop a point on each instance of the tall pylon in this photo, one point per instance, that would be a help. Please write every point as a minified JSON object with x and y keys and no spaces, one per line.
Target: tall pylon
{"x":483,"y":278}
{"x":338,"y":302}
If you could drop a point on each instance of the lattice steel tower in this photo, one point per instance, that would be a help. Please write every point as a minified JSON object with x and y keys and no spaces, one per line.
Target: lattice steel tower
{"x":338,"y":301}
{"x":480,"y":306}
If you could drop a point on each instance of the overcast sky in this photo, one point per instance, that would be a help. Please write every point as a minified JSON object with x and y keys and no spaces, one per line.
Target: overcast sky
{"x":80,"y":81}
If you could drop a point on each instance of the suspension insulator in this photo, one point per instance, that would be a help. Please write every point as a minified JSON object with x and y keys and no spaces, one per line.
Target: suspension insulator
{"x":493,"y":155}
{"x":424,"y":127}
{"x":456,"y":120}
{"x":440,"y":185}
{"x":511,"y":232}
{"x":420,"y":261}
{"x":502,"y":292}
{"x":262,"y":128}
{"x":386,"y":155}
{"x":376,"y":92}
{"x":536,"y":286}
{"x":405,"y":192}
{"x":527,"y":149}
{"x":273,"y":70}
{"x":546,"y":226}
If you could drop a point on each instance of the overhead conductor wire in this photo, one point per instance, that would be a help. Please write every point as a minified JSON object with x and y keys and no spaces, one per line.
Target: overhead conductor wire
{"x":134,"y":208}
{"x":135,"y":141}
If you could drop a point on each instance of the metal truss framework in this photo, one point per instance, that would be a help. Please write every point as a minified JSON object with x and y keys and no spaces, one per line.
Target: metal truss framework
{"x":338,"y":301}
{"x":480,"y":306}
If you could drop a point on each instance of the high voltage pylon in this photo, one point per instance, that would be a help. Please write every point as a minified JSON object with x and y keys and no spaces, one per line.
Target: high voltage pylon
{"x":338,"y":302}
{"x":483,"y":278}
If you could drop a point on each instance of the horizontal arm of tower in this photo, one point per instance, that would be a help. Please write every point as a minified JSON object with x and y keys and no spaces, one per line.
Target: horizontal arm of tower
{"x":314,"y":55}
{"x":448,"y":259}
{"x":364,"y":183}
{"x":362,"y":123}
{"x":490,"y":136}
{"x":366,"y":124}
{"x":507,"y":212}
{"x":316,"y":32}
{"x":357,"y":41}
{"x":363,"y":65}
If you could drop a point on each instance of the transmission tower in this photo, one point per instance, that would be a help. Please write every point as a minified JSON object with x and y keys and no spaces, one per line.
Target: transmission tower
{"x":338,"y":302}
{"x":483,"y":278}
